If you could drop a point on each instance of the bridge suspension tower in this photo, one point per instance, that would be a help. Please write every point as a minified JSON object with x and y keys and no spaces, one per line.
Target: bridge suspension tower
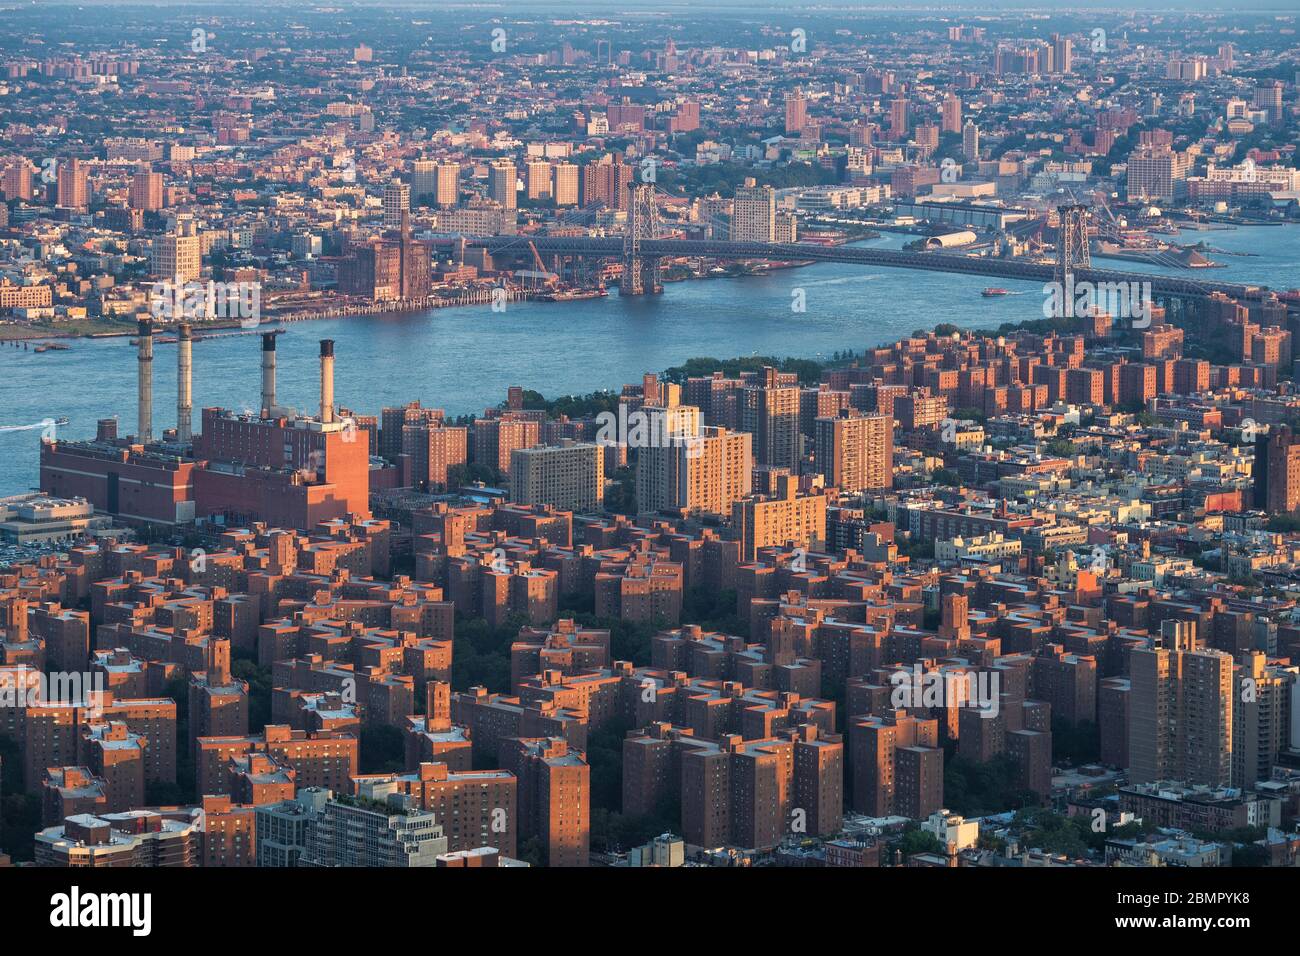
{"x":640,"y":272}
{"x":1072,"y":252}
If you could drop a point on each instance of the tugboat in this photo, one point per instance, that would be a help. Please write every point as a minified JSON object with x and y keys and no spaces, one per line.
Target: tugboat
{"x":989,"y":293}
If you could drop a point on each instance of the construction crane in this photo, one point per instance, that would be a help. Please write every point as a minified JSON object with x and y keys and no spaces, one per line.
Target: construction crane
{"x":541,"y":275}
{"x":537,"y":256}
{"x":1111,"y":226}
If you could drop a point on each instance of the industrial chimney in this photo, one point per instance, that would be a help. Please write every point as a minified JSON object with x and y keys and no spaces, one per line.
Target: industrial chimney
{"x":268,"y":374}
{"x":144,"y":398}
{"x":326,"y":381}
{"x":184,"y":385}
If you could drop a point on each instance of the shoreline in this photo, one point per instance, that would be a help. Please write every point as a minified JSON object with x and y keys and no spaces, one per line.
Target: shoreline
{"x":10,"y":333}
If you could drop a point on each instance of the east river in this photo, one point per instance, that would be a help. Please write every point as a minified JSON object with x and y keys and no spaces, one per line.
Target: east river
{"x":463,"y":359}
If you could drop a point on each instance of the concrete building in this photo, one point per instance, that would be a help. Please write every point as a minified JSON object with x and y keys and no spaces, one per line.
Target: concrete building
{"x":283,"y":830}
{"x":1181,"y":710}
{"x":1157,"y":174}
{"x":69,"y":791}
{"x":1277,"y":470}
{"x":554,"y":797}
{"x":397,"y":200}
{"x":1262,"y":717}
{"x":855,"y":452}
{"x":176,"y":253}
{"x":703,"y":473}
{"x":132,"y":838}
{"x":73,"y":185}
{"x":474,"y":808}
{"x":787,"y":516}
{"x":433,"y":451}
{"x":970,"y":142}
{"x":380,"y":827}
{"x":569,"y":476}
{"x":874,"y":742}
{"x":40,"y":519}
{"x":146,"y":191}
{"x":951,"y":113}
{"x":565,"y":188}
{"x":796,"y":112}
{"x":753,"y":216}
{"x":769,"y":410}
{"x":954,"y":832}
{"x":503,"y":184}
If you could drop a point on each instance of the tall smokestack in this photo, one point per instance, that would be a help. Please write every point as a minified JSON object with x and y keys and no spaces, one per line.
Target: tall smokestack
{"x":144,"y":376}
{"x":268,"y":374}
{"x":326,"y":380}
{"x":184,"y":385}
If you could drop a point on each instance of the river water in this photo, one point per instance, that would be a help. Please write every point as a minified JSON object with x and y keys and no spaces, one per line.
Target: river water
{"x":463,"y":359}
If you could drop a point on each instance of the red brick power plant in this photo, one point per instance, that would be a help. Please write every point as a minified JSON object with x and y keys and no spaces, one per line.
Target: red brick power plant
{"x":276,"y":466}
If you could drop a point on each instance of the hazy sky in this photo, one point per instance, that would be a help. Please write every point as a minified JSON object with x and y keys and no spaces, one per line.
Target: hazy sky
{"x":703,"y":6}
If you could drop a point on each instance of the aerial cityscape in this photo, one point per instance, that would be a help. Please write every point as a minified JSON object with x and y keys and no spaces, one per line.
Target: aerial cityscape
{"x":566,"y":435}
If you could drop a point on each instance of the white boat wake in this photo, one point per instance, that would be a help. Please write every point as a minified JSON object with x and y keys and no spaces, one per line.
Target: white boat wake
{"x":46,"y":423}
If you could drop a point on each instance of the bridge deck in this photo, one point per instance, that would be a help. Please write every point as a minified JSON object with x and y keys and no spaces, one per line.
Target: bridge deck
{"x":892,"y":258}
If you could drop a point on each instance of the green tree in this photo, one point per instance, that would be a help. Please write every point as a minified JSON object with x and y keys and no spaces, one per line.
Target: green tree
{"x":915,"y":841}
{"x":946,"y":476}
{"x":620,"y":495}
{"x":1055,"y":833}
{"x":977,"y":789}
{"x":713,"y":611}
{"x":1076,"y":743}
{"x":383,"y":749}
{"x":260,"y":686}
